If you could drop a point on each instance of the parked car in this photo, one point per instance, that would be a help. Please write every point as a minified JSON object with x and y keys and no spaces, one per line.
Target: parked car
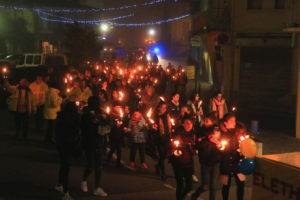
{"x":41,"y":59}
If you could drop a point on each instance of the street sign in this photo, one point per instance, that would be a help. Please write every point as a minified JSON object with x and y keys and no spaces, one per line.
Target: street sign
{"x":196,"y":41}
{"x":190,"y":72}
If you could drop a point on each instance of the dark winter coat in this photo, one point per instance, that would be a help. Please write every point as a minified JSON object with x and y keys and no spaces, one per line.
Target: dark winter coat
{"x":208,"y":152}
{"x":187,"y":146}
{"x":91,"y":119}
{"x":68,"y":132}
{"x":230,"y":156}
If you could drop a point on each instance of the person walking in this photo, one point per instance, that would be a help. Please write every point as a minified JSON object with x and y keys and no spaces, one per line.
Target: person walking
{"x":93,"y":120}
{"x":209,"y":154}
{"x":67,"y":141}
{"x":162,"y":139}
{"x":231,"y":158}
{"x":137,"y":130}
{"x":183,"y":148}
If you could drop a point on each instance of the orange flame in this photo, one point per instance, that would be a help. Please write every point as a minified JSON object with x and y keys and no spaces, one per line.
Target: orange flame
{"x":4,"y":70}
{"x":107,"y":110}
{"x":176,"y":142}
{"x":121,"y":113}
{"x":223,"y":145}
{"x":121,"y":95}
{"x":172,"y":122}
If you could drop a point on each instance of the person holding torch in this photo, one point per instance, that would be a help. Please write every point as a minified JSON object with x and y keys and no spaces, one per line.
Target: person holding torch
{"x":183,"y":149}
{"x":209,"y":153}
{"x":117,"y":133}
{"x":163,"y":133}
{"x":231,"y":157}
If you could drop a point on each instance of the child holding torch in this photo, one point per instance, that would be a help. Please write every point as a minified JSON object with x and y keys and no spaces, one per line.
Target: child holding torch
{"x":183,"y":149}
{"x":209,"y":154}
{"x":137,"y":130}
{"x":231,"y":157}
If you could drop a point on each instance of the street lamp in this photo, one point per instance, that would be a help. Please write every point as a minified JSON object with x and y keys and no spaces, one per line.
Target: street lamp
{"x":104,"y":27}
{"x":151,"y":32}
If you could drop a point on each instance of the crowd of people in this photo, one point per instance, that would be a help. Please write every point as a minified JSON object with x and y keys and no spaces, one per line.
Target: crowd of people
{"x":95,"y":110}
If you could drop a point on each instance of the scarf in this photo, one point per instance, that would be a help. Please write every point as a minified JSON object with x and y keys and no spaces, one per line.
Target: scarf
{"x":218,"y":106}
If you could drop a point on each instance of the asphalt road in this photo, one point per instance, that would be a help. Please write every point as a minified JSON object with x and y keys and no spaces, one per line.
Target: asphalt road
{"x":29,"y":170}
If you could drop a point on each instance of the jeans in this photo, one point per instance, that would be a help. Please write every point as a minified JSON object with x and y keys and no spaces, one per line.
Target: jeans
{"x":95,"y":162}
{"x":115,"y":146}
{"x":209,"y":180}
{"x":184,"y":181}
{"x":21,"y":120}
{"x":141,"y":147}
{"x":162,"y":154}
{"x":63,"y":176}
{"x":240,"y":188}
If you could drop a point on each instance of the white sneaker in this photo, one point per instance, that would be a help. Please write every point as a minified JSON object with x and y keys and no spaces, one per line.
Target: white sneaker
{"x":84,"y":186}
{"x":59,"y":188}
{"x":195,"y":179}
{"x":67,"y":196}
{"x":99,"y":192}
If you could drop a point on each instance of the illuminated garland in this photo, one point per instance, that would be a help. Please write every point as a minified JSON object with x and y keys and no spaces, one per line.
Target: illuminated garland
{"x":116,"y":18}
{"x":151,"y":23}
{"x":153,"y":2}
{"x":72,"y":21}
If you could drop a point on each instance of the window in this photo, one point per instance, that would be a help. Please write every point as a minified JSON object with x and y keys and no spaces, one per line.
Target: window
{"x":21,"y":60}
{"x":280,"y":4}
{"x":29,"y":59}
{"x":37,"y":60}
{"x":54,"y":60}
{"x":254,"y":4}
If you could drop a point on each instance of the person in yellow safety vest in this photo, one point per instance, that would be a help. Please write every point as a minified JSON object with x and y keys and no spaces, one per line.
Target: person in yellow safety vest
{"x":21,"y":103}
{"x":39,"y":89}
{"x":52,"y":106}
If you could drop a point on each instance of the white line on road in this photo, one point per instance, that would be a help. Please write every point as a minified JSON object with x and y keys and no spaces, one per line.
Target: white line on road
{"x":169,"y":186}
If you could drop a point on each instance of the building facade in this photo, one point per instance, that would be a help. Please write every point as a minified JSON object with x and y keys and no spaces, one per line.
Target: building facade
{"x":253,"y":58}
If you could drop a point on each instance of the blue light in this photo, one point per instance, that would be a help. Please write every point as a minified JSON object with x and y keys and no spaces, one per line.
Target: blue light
{"x":156,"y":49}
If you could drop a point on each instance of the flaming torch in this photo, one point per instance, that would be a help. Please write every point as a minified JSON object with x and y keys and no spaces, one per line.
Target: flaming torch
{"x":162,"y":99}
{"x":4,"y":72}
{"x":177,"y":152}
{"x":234,"y":109}
{"x":223,"y":144}
{"x":121,"y":113}
{"x":121,"y":94}
{"x":149,"y":113}
{"x":172,"y":122}
{"x":107,"y":110}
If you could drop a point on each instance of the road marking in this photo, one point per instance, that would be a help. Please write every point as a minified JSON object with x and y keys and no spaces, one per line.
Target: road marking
{"x":169,"y":186}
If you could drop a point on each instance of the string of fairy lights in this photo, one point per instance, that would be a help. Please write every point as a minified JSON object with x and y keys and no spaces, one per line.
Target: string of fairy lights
{"x":59,"y":15}
{"x":65,"y":20}
{"x":88,"y":10}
